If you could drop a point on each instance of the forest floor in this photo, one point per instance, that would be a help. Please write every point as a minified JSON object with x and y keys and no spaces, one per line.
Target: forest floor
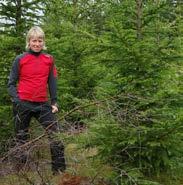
{"x":83,"y":168}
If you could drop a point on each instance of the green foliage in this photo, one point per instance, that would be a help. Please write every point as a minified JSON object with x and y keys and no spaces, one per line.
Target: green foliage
{"x":6,"y":119}
{"x":16,"y":17}
{"x":6,"y":128}
{"x":133,"y":141}
{"x":120,"y":65}
{"x":78,"y":76}
{"x":142,"y":128}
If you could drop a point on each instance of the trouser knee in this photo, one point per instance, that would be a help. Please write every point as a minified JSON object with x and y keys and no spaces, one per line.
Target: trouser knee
{"x":57,"y":146}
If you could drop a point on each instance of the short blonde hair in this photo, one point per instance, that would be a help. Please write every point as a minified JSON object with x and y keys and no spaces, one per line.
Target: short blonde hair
{"x":35,"y":31}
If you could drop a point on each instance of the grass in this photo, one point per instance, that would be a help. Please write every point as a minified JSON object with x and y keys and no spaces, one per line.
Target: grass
{"x":79,"y":162}
{"x":170,"y":179}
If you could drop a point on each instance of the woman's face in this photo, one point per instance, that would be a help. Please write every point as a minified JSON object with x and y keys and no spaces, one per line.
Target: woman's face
{"x":36,"y":44}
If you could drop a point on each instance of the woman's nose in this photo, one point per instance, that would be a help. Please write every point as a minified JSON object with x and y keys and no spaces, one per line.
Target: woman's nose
{"x":37,"y":43}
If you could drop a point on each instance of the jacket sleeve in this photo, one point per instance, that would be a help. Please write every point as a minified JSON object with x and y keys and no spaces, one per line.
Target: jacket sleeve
{"x":52,"y":84}
{"x":13,"y":79}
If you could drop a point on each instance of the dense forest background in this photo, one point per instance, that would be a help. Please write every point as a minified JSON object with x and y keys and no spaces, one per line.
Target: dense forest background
{"x":120,"y":77}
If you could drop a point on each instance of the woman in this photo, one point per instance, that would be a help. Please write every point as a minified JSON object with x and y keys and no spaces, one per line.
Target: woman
{"x":33,"y":73}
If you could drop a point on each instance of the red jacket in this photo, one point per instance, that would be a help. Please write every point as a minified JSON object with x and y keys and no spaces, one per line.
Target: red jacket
{"x":35,"y":74}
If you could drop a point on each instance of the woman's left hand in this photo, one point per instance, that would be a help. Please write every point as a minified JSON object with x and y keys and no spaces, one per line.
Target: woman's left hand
{"x":54,"y":108}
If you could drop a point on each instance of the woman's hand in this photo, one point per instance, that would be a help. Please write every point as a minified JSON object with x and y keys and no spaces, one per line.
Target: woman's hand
{"x":54,"y":108}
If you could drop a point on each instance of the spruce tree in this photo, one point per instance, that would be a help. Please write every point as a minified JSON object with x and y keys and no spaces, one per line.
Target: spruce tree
{"x":72,"y":27}
{"x":141,"y":51}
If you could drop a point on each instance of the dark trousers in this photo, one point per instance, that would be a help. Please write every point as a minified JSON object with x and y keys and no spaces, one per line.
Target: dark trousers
{"x":23,"y":112}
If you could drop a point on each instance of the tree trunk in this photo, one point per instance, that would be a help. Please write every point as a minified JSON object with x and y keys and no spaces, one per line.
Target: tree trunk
{"x":18,"y":21}
{"x":139,"y":19}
